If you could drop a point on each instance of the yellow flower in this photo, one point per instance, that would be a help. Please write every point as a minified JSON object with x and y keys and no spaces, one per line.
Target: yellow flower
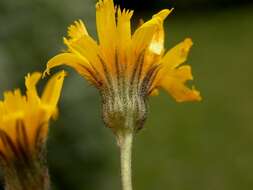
{"x":24,"y":118}
{"x":126,"y":67}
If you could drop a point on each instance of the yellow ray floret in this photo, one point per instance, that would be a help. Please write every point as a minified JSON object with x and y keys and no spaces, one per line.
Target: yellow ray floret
{"x":28,"y":113}
{"x":126,"y":61}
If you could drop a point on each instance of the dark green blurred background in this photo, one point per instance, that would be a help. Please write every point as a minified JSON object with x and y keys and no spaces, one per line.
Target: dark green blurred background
{"x":188,"y":146}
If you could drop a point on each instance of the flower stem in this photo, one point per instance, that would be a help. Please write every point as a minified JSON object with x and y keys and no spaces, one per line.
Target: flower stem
{"x":125,"y":145}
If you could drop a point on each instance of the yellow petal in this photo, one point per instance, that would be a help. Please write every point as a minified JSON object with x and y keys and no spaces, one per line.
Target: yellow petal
{"x":106,"y":24}
{"x":157,"y":43}
{"x":181,"y":93}
{"x":151,"y":33}
{"x":2,"y":109}
{"x":173,"y":58}
{"x":13,"y":102}
{"x":30,"y":83}
{"x":85,"y":48}
{"x":85,"y":57}
{"x":177,"y":55}
{"x":183,"y":73}
{"x":71,"y":60}
{"x":144,"y":34}
{"x":32,"y":80}
{"x":173,"y":83}
{"x":123,"y":29}
{"x":163,"y":13}
{"x":52,"y":91}
{"x":77,"y":30}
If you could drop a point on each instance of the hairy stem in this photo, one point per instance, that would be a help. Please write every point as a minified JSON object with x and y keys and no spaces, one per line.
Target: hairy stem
{"x":125,"y":145}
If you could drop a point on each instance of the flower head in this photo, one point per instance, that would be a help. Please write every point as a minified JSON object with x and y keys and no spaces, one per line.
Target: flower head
{"x":24,"y":118}
{"x":23,"y":131}
{"x":126,"y":67}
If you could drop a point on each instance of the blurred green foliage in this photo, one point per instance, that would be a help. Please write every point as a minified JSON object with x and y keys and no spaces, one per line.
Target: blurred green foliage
{"x":191,"y":146}
{"x":188,"y":5}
